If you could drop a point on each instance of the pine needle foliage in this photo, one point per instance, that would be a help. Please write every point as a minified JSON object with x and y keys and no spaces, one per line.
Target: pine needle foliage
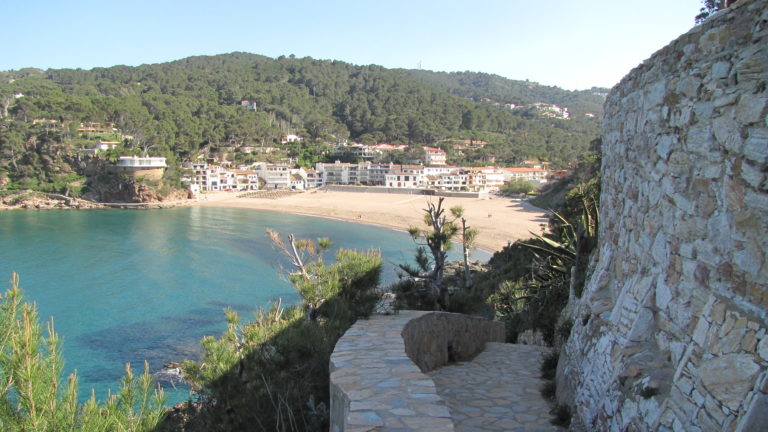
{"x":271,"y":374}
{"x":33,"y":396}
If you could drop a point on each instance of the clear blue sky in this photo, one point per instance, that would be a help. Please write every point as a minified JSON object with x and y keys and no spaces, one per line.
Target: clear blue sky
{"x":568,"y":43}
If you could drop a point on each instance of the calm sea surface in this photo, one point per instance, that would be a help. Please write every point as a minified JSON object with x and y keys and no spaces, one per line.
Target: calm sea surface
{"x":128,"y":286}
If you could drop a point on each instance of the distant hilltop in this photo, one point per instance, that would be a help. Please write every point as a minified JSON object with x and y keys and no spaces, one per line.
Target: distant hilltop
{"x":246,"y":108}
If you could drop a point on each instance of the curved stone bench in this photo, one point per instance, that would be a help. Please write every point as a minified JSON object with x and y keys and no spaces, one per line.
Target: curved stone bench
{"x":378,"y":367}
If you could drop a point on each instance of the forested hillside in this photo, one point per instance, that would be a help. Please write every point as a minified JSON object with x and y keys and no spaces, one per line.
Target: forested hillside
{"x":189,"y":107}
{"x":478,"y":86}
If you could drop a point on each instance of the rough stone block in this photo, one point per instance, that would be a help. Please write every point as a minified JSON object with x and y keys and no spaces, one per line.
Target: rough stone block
{"x":700,"y":334}
{"x":721,"y":69}
{"x":753,"y":176}
{"x":729,"y":378}
{"x":727,"y":133}
{"x":663,"y":293}
{"x":725,"y":100}
{"x":762,"y":348}
{"x":689,"y":86}
{"x":756,"y":145}
{"x":659,"y":250}
{"x":751,"y":108}
{"x":655,"y":95}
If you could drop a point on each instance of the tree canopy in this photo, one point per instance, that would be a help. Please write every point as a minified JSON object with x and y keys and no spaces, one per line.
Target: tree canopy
{"x":710,"y":7}
{"x":208,"y":104}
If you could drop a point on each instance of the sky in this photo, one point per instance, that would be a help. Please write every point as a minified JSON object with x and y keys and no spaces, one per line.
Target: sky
{"x":571,"y":44}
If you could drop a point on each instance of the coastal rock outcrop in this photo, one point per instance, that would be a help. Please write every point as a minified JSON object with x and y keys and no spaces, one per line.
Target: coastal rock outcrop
{"x":44,"y":201}
{"x":109,"y":188}
{"x":671,"y":331}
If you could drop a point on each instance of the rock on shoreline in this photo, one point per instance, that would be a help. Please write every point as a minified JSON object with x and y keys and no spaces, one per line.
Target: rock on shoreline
{"x":45,"y":201}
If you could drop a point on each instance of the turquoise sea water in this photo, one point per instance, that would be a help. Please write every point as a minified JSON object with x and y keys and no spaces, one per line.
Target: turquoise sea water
{"x":128,"y":286}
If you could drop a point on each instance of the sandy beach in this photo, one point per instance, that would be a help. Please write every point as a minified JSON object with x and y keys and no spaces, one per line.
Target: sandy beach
{"x":499,"y":220}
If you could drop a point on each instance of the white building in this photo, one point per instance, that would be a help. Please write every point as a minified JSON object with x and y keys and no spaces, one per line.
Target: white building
{"x":537,"y":175}
{"x":343,"y":173}
{"x":434,"y":156}
{"x":290,"y":138}
{"x":438,"y":170}
{"x":313,"y":179}
{"x":454,"y":181}
{"x":246,"y":180}
{"x":275,"y":176}
{"x":141,"y":162}
{"x":377,"y":173}
{"x":494,"y":177}
{"x":407,"y":176}
{"x":405,"y":180}
{"x":298,"y":180}
{"x":213,"y":177}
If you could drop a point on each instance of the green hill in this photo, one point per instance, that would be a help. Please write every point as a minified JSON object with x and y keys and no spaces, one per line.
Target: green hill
{"x":183,"y":108}
{"x":478,"y":86}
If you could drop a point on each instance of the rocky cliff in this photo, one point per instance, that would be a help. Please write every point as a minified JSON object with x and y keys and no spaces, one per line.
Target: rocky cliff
{"x":671,"y":332}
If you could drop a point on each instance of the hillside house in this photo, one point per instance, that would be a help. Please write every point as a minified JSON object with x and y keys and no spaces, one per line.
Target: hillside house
{"x":536,"y":175}
{"x":382,"y":148}
{"x":290,"y":138}
{"x":434,"y":156}
{"x":249,"y":105}
{"x":95,"y":127}
{"x":138,"y":166}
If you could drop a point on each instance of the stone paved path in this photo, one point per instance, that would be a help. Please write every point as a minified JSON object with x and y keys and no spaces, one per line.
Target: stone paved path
{"x":497,"y":391}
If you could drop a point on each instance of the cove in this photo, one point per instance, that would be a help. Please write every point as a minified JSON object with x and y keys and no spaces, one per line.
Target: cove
{"x":128,"y":286}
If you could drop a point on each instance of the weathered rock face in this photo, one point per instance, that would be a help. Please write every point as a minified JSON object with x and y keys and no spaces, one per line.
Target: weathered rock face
{"x":114,"y":189}
{"x":44,"y":201}
{"x":671,"y":332}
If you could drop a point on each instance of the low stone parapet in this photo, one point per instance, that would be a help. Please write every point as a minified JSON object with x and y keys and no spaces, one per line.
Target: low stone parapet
{"x":378,"y":367}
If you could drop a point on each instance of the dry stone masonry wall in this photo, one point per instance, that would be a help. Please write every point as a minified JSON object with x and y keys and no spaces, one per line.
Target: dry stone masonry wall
{"x":378,"y":367}
{"x":671,"y":332}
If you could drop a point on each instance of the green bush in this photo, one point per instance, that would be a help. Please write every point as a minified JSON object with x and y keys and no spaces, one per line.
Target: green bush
{"x":272,"y":374}
{"x":529,"y":282}
{"x":518,"y":187}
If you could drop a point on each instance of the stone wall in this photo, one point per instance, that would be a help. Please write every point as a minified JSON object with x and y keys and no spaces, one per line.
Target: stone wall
{"x":375,"y":381}
{"x":436,"y":339}
{"x":671,"y":332}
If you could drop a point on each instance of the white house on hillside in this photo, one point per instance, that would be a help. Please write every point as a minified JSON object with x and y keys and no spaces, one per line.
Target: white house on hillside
{"x":537,"y":175}
{"x":434,"y":156}
{"x":290,"y":138}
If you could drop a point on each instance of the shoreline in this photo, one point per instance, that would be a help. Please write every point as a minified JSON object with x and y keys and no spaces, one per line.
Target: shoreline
{"x":499,"y":220}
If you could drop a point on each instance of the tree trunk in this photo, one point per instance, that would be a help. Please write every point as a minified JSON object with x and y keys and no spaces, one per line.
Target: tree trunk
{"x":6,"y":103}
{"x":438,"y":288}
{"x":467,"y":278}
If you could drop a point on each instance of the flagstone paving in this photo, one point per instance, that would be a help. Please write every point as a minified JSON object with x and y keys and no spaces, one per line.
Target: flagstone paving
{"x":497,"y":391}
{"x":376,"y":386}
